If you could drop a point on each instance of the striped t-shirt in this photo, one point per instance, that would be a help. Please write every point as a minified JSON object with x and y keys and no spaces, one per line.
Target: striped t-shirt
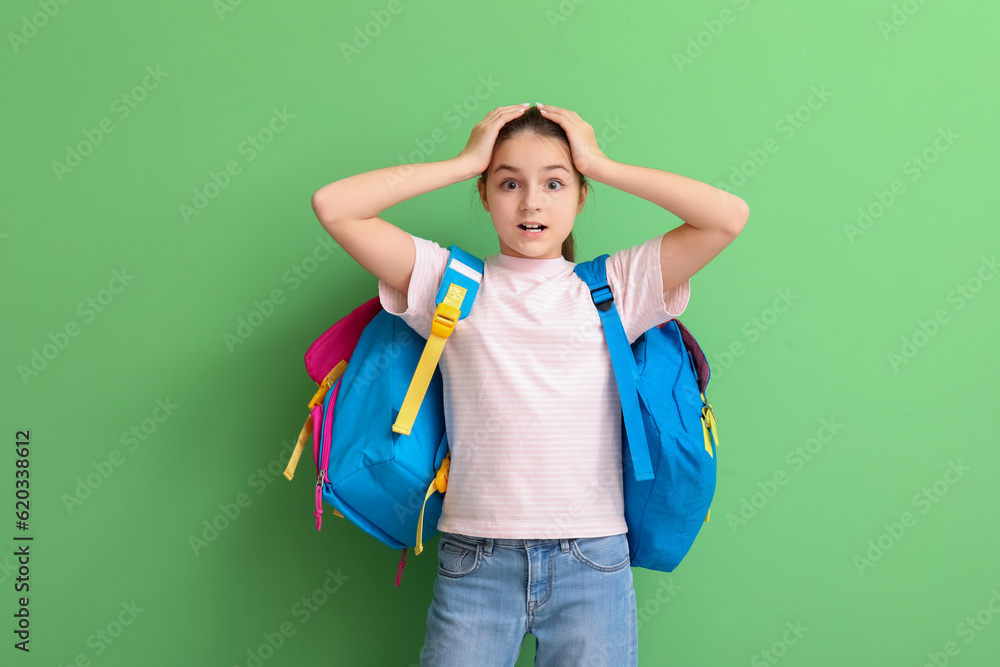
{"x":531,"y":404}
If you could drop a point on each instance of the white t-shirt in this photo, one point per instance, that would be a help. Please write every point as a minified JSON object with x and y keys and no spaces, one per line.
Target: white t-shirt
{"x":531,"y":404}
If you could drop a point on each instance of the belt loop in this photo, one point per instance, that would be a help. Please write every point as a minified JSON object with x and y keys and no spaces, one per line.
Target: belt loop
{"x":488,"y":546}
{"x":564,"y":544}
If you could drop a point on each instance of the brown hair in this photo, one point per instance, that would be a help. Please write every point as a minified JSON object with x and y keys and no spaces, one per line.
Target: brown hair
{"x":532,"y":121}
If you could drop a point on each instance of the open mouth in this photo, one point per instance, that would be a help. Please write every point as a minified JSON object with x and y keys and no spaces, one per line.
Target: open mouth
{"x":532,"y":227}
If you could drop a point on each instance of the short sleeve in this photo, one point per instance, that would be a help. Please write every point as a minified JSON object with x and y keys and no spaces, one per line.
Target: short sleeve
{"x":637,"y":284}
{"x":416,"y":307}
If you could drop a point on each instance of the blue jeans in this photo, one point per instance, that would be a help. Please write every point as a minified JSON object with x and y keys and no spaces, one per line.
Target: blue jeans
{"x":574,"y":595}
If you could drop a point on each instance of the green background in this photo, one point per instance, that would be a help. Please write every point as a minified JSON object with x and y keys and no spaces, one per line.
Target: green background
{"x":812,"y":112}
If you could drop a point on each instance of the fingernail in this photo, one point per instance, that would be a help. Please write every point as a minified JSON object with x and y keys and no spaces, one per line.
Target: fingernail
{"x":526,"y":104}
{"x":539,"y":104}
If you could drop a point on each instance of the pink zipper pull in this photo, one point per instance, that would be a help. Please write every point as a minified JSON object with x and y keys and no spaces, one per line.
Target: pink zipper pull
{"x":319,"y":499}
{"x":399,"y":571}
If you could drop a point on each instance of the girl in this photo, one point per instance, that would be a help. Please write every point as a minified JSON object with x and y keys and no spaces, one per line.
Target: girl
{"x":532,"y":526}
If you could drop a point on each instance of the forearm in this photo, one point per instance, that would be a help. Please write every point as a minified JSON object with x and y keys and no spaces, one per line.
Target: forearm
{"x":367,"y":194}
{"x":698,"y":204}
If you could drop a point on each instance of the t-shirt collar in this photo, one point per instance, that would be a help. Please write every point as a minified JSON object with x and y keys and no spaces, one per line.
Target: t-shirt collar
{"x":547,"y":267}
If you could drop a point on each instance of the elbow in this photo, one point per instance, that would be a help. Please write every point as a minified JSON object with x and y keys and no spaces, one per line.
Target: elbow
{"x":740,"y":217}
{"x":322,"y":208}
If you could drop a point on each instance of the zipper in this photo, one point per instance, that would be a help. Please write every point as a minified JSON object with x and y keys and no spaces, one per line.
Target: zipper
{"x":324,"y":451}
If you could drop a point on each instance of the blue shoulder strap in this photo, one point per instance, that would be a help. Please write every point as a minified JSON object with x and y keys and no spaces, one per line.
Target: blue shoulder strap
{"x":594,"y":273}
{"x":464,"y":270}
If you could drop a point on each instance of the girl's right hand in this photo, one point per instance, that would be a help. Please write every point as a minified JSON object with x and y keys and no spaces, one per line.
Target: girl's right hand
{"x":479,"y":151}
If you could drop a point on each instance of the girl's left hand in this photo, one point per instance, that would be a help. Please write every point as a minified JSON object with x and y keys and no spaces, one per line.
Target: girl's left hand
{"x":582,"y":140}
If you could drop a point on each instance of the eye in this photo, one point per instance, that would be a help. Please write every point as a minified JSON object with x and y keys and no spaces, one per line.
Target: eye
{"x":560,"y":185}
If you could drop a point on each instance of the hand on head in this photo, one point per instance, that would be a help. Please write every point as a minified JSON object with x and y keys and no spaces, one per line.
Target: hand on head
{"x":582,"y":140}
{"x":479,"y":150}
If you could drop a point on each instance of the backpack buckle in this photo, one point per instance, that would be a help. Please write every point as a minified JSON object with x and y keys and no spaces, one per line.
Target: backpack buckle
{"x":603,"y":304}
{"x":445,"y":318}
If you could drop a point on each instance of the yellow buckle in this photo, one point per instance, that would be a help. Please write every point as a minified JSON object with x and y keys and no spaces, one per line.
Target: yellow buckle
{"x":445,"y":317}
{"x":441,"y":478}
{"x":327,"y":382}
{"x":710,"y":429}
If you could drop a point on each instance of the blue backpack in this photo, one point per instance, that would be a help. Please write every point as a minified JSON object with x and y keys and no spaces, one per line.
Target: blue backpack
{"x":379,"y":457}
{"x":669,"y":472}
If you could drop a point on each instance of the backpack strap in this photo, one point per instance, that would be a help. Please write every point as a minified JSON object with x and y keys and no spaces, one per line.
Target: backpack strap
{"x":459,"y":286}
{"x":594,"y":273}
{"x":442,"y":464}
{"x":317,"y":399}
{"x":440,"y":484}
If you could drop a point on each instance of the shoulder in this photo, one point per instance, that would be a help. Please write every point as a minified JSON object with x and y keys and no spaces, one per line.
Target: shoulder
{"x":636,"y":279}
{"x":430,"y":259}
{"x":643,"y":256}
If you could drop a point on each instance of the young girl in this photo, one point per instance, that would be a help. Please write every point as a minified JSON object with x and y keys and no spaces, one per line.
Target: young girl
{"x":532,"y":527}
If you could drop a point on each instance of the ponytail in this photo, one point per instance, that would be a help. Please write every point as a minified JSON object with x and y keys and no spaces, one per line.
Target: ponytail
{"x":569,"y":248}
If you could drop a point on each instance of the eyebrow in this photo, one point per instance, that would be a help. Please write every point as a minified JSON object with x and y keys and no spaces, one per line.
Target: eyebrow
{"x":518,"y":171}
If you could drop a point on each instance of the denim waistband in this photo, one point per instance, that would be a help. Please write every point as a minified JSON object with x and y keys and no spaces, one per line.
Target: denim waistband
{"x":490,"y":542}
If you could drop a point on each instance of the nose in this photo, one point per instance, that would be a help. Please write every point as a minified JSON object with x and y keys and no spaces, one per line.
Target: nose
{"x":530,"y":198}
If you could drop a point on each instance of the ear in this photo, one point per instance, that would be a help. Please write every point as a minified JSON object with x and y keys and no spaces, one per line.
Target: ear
{"x":583,"y":197}
{"x":482,"y":195}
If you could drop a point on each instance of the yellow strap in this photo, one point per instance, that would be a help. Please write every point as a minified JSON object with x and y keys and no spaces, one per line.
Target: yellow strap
{"x":711,"y":430}
{"x":709,"y":427}
{"x":707,"y":413}
{"x":446,"y":315}
{"x":440,"y":483}
{"x":299,"y":445}
{"x":317,"y":399}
